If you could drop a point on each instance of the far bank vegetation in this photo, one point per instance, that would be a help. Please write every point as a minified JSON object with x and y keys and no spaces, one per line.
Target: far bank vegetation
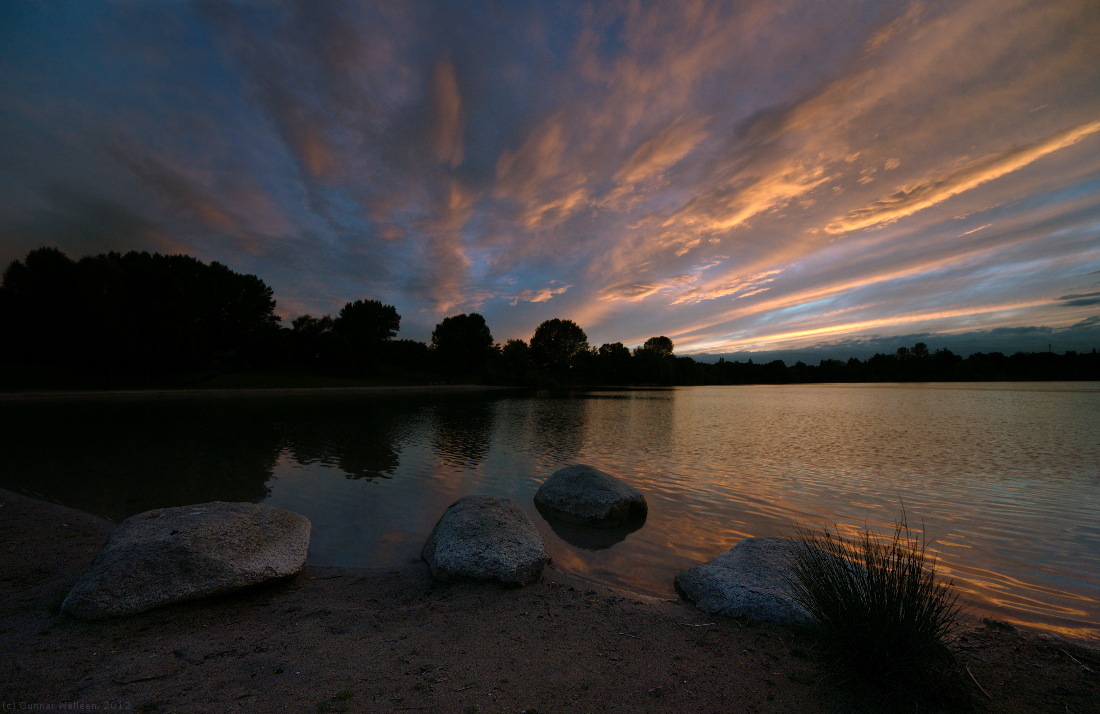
{"x":138,"y":319}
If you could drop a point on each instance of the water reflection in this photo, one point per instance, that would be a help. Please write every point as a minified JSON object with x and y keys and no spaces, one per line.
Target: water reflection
{"x":461,"y":431}
{"x":588,"y":538}
{"x":559,"y":426}
{"x":119,"y":457}
{"x":361,"y":442}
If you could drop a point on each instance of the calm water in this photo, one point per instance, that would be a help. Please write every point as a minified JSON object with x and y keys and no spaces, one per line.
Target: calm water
{"x":1004,"y":477}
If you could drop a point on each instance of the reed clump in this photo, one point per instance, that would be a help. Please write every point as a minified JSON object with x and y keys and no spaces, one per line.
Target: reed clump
{"x":879,"y":609}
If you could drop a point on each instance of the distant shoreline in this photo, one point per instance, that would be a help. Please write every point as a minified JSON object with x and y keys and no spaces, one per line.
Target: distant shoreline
{"x":73,"y":394}
{"x":192,"y":393}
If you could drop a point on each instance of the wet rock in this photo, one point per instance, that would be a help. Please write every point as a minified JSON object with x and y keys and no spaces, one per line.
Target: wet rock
{"x":485,"y":538}
{"x":170,"y":555}
{"x":587,"y":496}
{"x":749,"y":580}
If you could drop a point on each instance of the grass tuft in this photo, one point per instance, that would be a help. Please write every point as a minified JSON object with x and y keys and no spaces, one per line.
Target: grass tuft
{"x":878,"y":608}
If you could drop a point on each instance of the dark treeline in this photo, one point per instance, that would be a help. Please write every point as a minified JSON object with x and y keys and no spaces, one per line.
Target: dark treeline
{"x":131,"y":313}
{"x":142,"y":314}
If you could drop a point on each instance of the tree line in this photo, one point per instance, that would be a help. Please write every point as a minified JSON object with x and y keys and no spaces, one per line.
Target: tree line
{"x":152,"y":314}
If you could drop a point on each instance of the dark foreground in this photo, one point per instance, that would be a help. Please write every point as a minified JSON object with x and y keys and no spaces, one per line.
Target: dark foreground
{"x":394,"y":640}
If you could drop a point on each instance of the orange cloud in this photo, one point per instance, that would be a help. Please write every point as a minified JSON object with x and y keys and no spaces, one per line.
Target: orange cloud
{"x":522,"y":172}
{"x":741,"y":288}
{"x":801,"y":336}
{"x":448,"y":117}
{"x":319,"y":161}
{"x":541,"y":295}
{"x":664,"y":150}
{"x":534,"y":176}
{"x":446,"y":280}
{"x":928,"y":193}
{"x":773,"y":190}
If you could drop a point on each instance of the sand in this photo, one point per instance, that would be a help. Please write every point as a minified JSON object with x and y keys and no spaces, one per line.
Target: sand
{"x":388,"y":640}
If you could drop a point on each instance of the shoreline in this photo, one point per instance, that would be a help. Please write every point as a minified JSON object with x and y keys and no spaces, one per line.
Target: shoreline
{"x":186,"y":393}
{"x":392,"y":639}
{"x":191,"y":392}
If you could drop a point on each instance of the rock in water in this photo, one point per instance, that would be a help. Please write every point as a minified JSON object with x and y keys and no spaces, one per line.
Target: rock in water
{"x":747,"y":580}
{"x":585,"y":495}
{"x":485,"y":538}
{"x":173,"y":554}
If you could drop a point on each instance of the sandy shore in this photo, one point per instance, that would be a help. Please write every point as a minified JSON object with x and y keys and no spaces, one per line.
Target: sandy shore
{"x":387,"y":640}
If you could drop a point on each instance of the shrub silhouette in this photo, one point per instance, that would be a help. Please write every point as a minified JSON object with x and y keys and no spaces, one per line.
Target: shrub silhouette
{"x":877,"y":606}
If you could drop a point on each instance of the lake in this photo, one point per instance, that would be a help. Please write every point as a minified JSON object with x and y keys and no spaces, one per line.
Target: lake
{"x":1004,"y":478}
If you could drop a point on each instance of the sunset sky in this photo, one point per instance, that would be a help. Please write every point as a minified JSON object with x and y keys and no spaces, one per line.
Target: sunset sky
{"x":738,"y":176}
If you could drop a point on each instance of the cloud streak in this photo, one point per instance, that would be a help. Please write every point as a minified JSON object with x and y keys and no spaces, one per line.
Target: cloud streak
{"x":917,"y":197}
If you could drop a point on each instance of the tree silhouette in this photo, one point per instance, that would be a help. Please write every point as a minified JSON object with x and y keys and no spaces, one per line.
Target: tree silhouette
{"x":309,"y":338}
{"x":661,"y":346}
{"x":462,"y":343}
{"x":367,"y":321}
{"x":363,"y":328}
{"x":39,"y":306}
{"x":515,"y":361}
{"x":653,"y":361}
{"x":557,"y":345}
{"x":613,"y":364}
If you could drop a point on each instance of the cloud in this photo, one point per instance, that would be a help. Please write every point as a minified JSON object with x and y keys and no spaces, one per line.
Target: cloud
{"x":835,"y":326}
{"x":739,"y":288}
{"x":1080,"y":337}
{"x":188,"y":200}
{"x":445,"y":264}
{"x":82,"y":223}
{"x":448,"y":106}
{"x":664,"y":150}
{"x":1026,"y":330}
{"x":685,"y":288}
{"x":540,"y":295}
{"x":631,"y":291}
{"x":725,"y":210}
{"x":917,"y":197}
{"x":533,"y":175}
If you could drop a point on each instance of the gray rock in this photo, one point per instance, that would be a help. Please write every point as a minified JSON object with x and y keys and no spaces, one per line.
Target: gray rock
{"x":585,"y":495}
{"x":173,"y":554}
{"x":747,"y":580}
{"x":485,"y":538}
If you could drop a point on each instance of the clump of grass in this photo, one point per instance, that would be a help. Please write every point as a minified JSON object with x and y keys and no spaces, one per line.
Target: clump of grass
{"x":878,"y":607}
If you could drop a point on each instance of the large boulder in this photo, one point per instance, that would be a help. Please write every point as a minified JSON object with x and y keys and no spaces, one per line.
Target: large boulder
{"x":749,"y":580}
{"x":485,"y":538}
{"x":173,"y":554}
{"x":587,"y":496}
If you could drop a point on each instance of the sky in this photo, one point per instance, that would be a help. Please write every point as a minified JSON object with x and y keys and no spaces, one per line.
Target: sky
{"x":741,"y":177}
